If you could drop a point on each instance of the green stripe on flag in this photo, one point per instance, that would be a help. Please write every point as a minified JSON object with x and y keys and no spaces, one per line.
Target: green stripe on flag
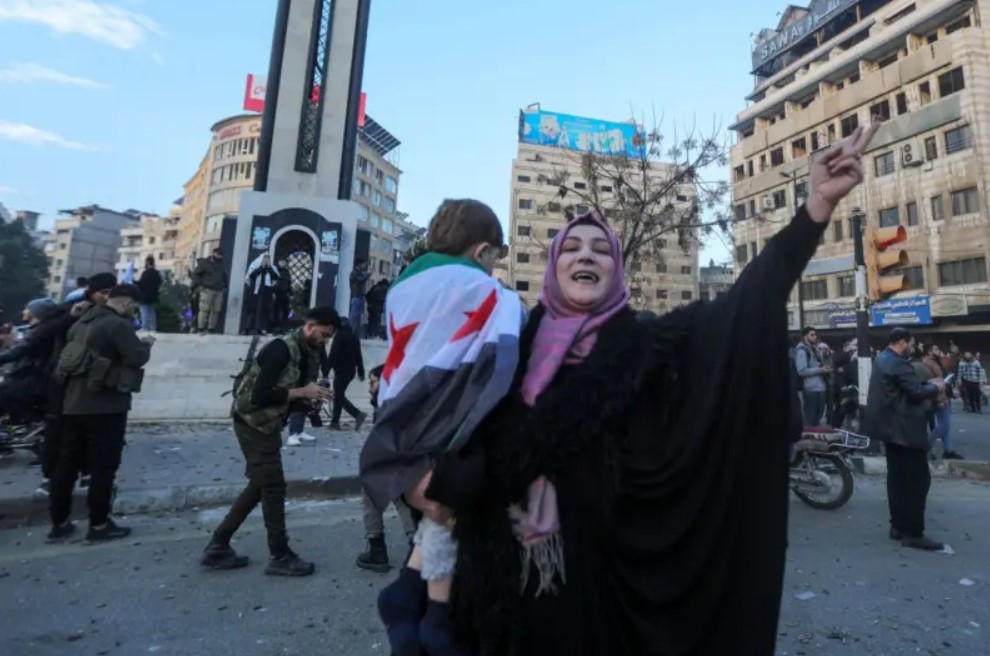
{"x":431,"y":260}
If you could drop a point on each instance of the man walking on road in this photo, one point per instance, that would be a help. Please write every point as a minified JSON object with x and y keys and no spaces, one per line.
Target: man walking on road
{"x":359,"y":286}
{"x":210,"y":280}
{"x":896,"y":416}
{"x":100,"y":368}
{"x":811,"y":370}
{"x":282,"y":378}
{"x":973,"y":377}
{"x":345,"y":359}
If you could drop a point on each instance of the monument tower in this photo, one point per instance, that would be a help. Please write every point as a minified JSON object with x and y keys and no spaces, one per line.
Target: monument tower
{"x":299,"y":208}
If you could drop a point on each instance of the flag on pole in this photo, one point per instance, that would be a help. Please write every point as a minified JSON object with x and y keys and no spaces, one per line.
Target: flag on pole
{"x":453,"y":335}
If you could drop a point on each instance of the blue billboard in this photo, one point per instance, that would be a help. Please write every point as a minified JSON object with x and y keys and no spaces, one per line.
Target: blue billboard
{"x":912,"y":311}
{"x":578,"y":133}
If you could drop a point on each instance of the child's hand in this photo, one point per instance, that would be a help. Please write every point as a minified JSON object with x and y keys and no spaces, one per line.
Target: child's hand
{"x":416,"y":498}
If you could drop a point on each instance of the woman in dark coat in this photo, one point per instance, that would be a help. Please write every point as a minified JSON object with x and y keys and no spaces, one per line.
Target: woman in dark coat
{"x":634,"y":496}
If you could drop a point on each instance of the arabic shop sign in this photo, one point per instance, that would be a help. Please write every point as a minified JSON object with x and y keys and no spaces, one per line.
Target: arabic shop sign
{"x":912,"y":311}
{"x":821,"y":12}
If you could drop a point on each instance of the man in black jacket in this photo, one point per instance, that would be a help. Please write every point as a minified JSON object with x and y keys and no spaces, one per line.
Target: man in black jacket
{"x":896,"y":416}
{"x":149,"y":283}
{"x":101,"y":366}
{"x":346,"y":361}
{"x":376,"y":308}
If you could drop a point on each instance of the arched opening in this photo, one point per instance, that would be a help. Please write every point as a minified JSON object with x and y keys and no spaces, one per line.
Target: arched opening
{"x":298,"y":247}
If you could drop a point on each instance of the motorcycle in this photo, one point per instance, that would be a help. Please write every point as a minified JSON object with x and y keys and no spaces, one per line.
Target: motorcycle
{"x":820,"y":473}
{"x":28,"y":436}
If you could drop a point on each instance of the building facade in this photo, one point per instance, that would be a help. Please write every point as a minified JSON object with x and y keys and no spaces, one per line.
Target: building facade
{"x":714,"y":280}
{"x":151,"y":236}
{"x":213,"y":193}
{"x":85,"y":241}
{"x":658,"y":282}
{"x":920,"y":66}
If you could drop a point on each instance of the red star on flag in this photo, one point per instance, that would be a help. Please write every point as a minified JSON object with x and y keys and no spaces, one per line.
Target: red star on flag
{"x":397,"y":353}
{"x":476,"y":319}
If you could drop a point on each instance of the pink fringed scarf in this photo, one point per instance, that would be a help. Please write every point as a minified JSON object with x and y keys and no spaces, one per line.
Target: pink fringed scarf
{"x":564,"y":336}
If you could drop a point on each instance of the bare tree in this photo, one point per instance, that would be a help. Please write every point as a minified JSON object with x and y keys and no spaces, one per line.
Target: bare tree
{"x":651,"y":195}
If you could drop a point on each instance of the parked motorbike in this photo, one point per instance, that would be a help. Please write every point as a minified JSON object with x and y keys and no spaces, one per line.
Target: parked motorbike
{"x":27,"y":435}
{"x":821,"y":475}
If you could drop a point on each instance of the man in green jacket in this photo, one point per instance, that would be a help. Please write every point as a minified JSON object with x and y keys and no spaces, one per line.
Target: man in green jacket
{"x":210,"y":279}
{"x":100,"y":367}
{"x":280,"y":380}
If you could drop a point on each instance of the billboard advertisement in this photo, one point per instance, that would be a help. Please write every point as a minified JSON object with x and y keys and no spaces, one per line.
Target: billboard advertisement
{"x":257,"y":85}
{"x":578,"y":133}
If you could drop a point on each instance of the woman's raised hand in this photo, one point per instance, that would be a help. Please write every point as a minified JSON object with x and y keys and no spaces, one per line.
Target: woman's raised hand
{"x":837,"y":171}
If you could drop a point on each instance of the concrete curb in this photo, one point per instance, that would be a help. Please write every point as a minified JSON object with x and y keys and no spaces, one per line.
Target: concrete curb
{"x":33,"y":509}
{"x":975,"y":470}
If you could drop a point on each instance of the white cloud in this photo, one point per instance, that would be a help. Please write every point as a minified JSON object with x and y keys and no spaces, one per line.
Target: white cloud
{"x":115,"y":26}
{"x":39,"y":73}
{"x":28,"y":134}
{"x":8,"y":190}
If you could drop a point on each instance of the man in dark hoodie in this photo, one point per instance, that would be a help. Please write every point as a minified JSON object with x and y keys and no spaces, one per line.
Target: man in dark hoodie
{"x":100,"y":367}
{"x":149,"y":283}
{"x":346,"y":361}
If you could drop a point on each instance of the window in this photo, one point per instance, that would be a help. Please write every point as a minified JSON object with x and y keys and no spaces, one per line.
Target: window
{"x":387,"y":226}
{"x":951,"y":82}
{"x":884,"y":62}
{"x":580,"y":185}
{"x":763,"y":163}
{"x":776,"y":157}
{"x":962,"y":272}
{"x":377,"y":198}
{"x":686,"y":270}
{"x":363,"y":209}
{"x":915,"y":277}
{"x":752,"y":248}
{"x":552,"y":232}
{"x":965,"y":201}
{"x":912,"y":214}
{"x":662,"y":243}
{"x":938,"y":211}
{"x":881,"y":110}
{"x":799,"y":148}
{"x":890,"y":217}
{"x":925,"y":93}
{"x":740,"y":211}
{"x":931,"y":38}
{"x":379,"y":176}
{"x":525,"y":203}
{"x":389,"y":204}
{"x":58,"y":279}
{"x":831,"y":132}
{"x":681,"y":197}
{"x":607,"y":189}
{"x":553,"y":207}
{"x":580,"y":209}
{"x":957,"y":25}
{"x":779,"y":199}
{"x":522,"y":231}
{"x":391,"y":184}
{"x":687,"y":295}
{"x":739,"y":173}
{"x":958,"y":139}
{"x":522,"y":258}
{"x":749,"y":168}
{"x":365,"y":189}
{"x":662,"y":294}
{"x":522,"y":285}
{"x":815,"y":290}
{"x":661,"y":268}
{"x":376,"y":219}
{"x":853,"y":79}
{"x":931,"y":148}
{"x":814,"y":141}
{"x":847,"y":286}
{"x":901,"y":103}
{"x":742,"y":254}
{"x":151,"y":241}
{"x":523,"y":178}
{"x":752,"y":208}
{"x":849,"y":124}
{"x":837,"y":231}
{"x":884,"y":164}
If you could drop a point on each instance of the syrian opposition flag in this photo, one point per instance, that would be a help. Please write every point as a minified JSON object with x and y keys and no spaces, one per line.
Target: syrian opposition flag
{"x":453,"y":335}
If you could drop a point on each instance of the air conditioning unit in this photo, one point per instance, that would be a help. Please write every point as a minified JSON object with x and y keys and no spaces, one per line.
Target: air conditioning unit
{"x":911,"y":153}
{"x":768,"y":203}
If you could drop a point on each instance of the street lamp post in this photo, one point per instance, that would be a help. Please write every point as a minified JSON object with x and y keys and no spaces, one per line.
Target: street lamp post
{"x":862,"y":310}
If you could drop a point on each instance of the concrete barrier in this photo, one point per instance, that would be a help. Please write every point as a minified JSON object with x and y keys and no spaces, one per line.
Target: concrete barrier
{"x":188,"y":374}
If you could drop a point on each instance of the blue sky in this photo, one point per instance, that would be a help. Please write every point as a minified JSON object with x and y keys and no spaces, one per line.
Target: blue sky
{"x":111,"y":102}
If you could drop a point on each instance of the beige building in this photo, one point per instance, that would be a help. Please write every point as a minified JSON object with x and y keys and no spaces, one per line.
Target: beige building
{"x":152,"y":236}
{"x":922,"y":67}
{"x":85,"y":241}
{"x":656,"y":283}
{"x":214,"y":191}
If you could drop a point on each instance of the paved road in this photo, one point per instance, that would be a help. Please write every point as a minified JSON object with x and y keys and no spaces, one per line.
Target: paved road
{"x":147,"y":596}
{"x":971,"y":433}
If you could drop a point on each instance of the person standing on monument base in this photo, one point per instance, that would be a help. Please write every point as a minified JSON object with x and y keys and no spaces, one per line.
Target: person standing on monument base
{"x":210,"y":281}
{"x":281,"y":379}
{"x":359,"y":288}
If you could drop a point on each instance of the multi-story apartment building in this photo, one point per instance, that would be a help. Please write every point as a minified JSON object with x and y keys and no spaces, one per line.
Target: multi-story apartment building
{"x":920,"y":66}
{"x":714,"y":280}
{"x":151,"y":236}
{"x":214,"y":191}
{"x":658,"y":281}
{"x":85,"y":241}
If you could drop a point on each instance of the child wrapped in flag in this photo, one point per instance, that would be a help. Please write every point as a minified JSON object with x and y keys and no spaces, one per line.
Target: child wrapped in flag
{"x":453,"y":348}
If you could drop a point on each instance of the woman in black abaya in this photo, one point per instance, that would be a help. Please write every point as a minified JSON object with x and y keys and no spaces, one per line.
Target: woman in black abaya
{"x":634,"y":495}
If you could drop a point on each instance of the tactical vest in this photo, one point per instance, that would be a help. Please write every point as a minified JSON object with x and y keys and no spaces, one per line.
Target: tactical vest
{"x":271,"y":419}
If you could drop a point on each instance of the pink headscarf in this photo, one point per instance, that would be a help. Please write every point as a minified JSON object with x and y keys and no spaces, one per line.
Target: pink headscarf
{"x":564,"y":336}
